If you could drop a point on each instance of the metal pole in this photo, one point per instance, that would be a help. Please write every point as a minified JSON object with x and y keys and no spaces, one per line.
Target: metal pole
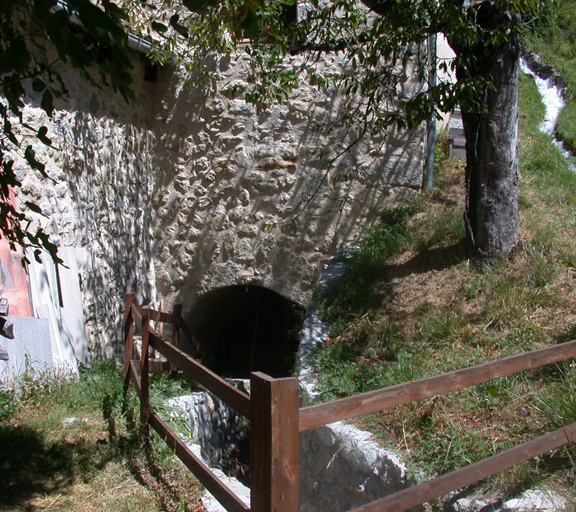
{"x":431,"y":135}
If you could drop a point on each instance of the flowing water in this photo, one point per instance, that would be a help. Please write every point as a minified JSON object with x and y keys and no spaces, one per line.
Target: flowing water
{"x":553,"y":100}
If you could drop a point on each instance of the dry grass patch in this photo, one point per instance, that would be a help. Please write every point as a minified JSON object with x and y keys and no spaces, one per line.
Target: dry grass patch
{"x":70,"y":447}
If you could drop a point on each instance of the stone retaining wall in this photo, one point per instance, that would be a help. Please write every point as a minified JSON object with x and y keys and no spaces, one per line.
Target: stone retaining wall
{"x":191,"y":189}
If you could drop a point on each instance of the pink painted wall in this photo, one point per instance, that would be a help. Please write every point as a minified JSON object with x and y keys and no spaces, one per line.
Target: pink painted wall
{"x":18,"y":297}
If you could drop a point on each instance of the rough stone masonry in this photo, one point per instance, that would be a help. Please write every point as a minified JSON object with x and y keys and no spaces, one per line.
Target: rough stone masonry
{"x":191,"y":189}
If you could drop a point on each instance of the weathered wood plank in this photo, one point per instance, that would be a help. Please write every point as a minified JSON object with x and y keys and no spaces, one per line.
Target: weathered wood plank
{"x":144,"y":373}
{"x":345,"y":408}
{"x":128,"y":335}
{"x":427,"y":491}
{"x":188,"y":332}
{"x":260,"y":446}
{"x":160,"y":316}
{"x":137,"y":315}
{"x":176,"y":322}
{"x":273,"y":444}
{"x":217,"y":488}
{"x":222,"y":389}
{"x":133,"y":375}
{"x":186,"y":329}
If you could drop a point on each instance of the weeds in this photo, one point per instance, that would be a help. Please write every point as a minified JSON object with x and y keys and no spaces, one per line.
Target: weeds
{"x":7,"y":405}
{"x":556,"y":402}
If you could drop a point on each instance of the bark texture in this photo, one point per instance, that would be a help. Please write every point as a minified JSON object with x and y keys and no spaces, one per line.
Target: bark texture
{"x":492,"y":216}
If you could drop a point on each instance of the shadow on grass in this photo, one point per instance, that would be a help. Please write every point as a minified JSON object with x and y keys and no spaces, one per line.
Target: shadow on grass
{"x":33,"y":466}
{"x":427,"y":260}
{"x":29,"y":466}
{"x":370,"y":286}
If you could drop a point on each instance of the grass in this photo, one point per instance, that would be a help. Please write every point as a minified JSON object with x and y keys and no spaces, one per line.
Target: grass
{"x":421,"y":308}
{"x":555,"y":39}
{"x":71,"y":444}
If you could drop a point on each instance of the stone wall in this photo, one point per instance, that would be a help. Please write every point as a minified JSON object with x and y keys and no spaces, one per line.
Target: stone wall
{"x":97,"y":196}
{"x":241,"y":196}
{"x":342,"y":468}
{"x":191,"y":189}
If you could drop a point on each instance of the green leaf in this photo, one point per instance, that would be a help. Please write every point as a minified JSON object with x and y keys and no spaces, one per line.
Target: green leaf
{"x":199,"y":6}
{"x":121,"y":56}
{"x":30,"y":155}
{"x":116,"y":12}
{"x":98,"y":23}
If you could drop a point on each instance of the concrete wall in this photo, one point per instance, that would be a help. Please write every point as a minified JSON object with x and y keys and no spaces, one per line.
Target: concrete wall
{"x":191,"y":189}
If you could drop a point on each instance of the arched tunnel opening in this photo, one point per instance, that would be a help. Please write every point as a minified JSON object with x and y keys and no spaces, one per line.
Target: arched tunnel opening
{"x":241,"y":329}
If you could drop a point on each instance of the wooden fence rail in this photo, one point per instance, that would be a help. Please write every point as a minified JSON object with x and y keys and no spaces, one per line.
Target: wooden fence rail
{"x":273,"y":416}
{"x":202,"y":472}
{"x":381,"y":399}
{"x":432,"y":489}
{"x":276,"y":419}
{"x":235,"y":398}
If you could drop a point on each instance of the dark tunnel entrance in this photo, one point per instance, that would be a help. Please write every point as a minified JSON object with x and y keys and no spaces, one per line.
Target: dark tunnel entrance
{"x":241,"y":329}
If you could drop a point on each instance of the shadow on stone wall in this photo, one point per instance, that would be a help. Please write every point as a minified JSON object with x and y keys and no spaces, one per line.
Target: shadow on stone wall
{"x":190,"y":190}
{"x":245,"y":196}
{"x":98,"y":197}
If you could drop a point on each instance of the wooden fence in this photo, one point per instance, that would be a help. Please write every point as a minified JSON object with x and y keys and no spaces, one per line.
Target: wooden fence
{"x":276,"y":419}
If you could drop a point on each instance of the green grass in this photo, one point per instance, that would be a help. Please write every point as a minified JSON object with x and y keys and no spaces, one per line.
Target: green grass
{"x":412,"y":305}
{"x":73,"y":444}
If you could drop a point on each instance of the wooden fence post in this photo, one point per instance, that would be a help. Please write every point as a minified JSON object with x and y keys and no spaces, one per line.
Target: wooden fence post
{"x":273,"y":444}
{"x":176,"y":322}
{"x":129,"y":299}
{"x":144,"y":373}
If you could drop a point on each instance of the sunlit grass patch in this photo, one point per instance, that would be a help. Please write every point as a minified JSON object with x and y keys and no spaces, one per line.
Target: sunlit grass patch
{"x":73,"y":444}
{"x":437,"y":311}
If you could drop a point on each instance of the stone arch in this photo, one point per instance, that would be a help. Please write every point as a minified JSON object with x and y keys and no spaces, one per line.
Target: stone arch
{"x":245,"y":328}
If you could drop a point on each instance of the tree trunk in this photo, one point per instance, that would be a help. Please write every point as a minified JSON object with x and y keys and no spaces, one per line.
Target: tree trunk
{"x":492,"y":216}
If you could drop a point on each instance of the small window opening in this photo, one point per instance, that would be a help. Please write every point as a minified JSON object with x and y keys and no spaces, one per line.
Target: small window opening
{"x":150,"y":71}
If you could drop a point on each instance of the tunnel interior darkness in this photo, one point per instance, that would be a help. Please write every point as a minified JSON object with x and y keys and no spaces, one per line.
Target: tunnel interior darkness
{"x":241,"y":329}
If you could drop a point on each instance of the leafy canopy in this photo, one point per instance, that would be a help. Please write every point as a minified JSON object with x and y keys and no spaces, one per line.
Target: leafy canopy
{"x":380,"y":40}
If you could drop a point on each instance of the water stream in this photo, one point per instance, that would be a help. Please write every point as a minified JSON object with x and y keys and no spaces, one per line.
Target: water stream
{"x":553,"y":99}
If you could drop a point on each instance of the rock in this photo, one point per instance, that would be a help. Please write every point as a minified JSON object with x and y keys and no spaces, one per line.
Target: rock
{"x":533,"y":500}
